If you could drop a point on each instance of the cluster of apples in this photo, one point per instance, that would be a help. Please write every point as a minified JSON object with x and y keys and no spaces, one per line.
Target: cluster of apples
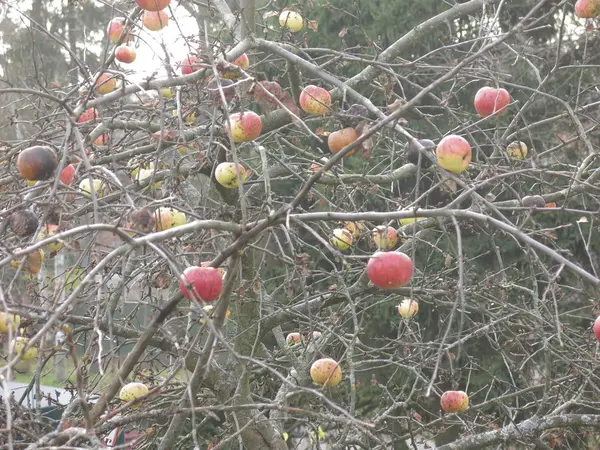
{"x":296,"y":338}
{"x":153,"y":19}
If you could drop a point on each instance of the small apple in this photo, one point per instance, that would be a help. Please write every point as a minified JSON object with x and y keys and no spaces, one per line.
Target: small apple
{"x":326,"y":372}
{"x":491,"y":102}
{"x":261,"y":92}
{"x":166,"y":93}
{"x":88,"y":115}
{"x":453,"y":154}
{"x":587,"y":9}
{"x":134,"y":165}
{"x":23,"y":222}
{"x":47,"y":231}
{"x":245,"y":126}
{"x":315,"y":100}
{"x":190,"y":64}
{"x":147,"y":174}
{"x":596,"y":328}
{"x":155,"y":20}
{"x":105,"y":84}
{"x":86,"y":189}
{"x":408,"y":308}
{"x":517,"y":150}
{"x":205,"y":284}
{"x":454,"y":401}
{"x":125,"y":55}
{"x":18,"y":344}
{"x":356,"y":228}
{"x":9,"y":321}
{"x":242,"y":62}
{"x":116,"y":30}
{"x":37,"y":163}
{"x":101,"y":140}
{"x":226,"y":174}
{"x":167,"y":218}
{"x":33,"y":262}
{"x":291,"y":20}
{"x":67,"y":175}
{"x":133,"y":391}
{"x":293,"y":338}
{"x":210,"y":311}
{"x":385,"y":237}
{"x":390,"y":269}
{"x":153,"y":5}
{"x":341,"y":239}
{"x":411,"y":152}
{"x":316,"y":335}
{"x":337,"y":140}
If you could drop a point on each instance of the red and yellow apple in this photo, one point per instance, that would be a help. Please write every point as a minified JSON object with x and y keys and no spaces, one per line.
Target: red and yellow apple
{"x":167,"y":218}
{"x":245,"y":126}
{"x":341,"y":239}
{"x":155,"y":20}
{"x":385,"y":237}
{"x":388,"y":270}
{"x":47,"y":231}
{"x":291,"y":20}
{"x":9,"y":322}
{"x":408,"y":308}
{"x":153,"y":5}
{"x":454,"y":401}
{"x":315,"y":100}
{"x":293,"y":338}
{"x":125,"y":55}
{"x":190,"y":64}
{"x":88,"y":115}
{"x":33,"y":262}
{"x":242,"y":62}
{"x":587,"y":9}
{"x":326,"y":372}
{"x":454,"y":154}
{"x":491,"y":102}
{"x":116,"y":30}
{"x":105,"y":84}
{"x":227,"y":173}
{"x":201,"y":284}
{"x":341,"y":138}
{"x":356,"y":228}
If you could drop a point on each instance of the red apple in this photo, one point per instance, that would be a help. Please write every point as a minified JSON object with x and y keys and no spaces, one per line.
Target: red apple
{"x":587,"y":9}
{"x":385,"y":238}
{"x":597,"y":328}
{"x":105,"y":84}
{"x":315,"y":100}
{"x":155,"y":20}
{"x":153,"y":5}
{"x":245,"y":126}
{"x":454,"y":401}
{"x":242,"y":61}
{"x":102,"y":140}
{"x":190,"y":64}
{"x":67,"y":174}
{"x":205,"y":283}
{"x":116,"y":30}
{"x":490,"y":101}
{"x":454,"y":154}
{"x":87,"y":115}
{"x":390,"y":269}
{"x":125,"y":54}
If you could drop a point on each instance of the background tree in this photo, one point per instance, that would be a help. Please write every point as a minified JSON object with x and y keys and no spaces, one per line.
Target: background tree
{"x":145,"y":186}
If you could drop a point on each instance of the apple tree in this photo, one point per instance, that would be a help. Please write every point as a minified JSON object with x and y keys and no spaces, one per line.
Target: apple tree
{"x":270,"y":226}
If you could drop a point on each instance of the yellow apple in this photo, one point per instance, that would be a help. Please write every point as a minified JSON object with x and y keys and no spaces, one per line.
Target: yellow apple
{"x":517,"y":150}
{"x":226,"y":174}
{"x":385,"y":238}
{"x":341,"y":239}
{"x":98,"y":185}
{"x":19,"y":343}
{"x":291,"y":20}
{"x":326,"y":372}
{"x":408,"y":308}
{"x":132,"y":391}
{"x":167,"y":218}
{"x":47,"y":231}
{"x":9,"y":321}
